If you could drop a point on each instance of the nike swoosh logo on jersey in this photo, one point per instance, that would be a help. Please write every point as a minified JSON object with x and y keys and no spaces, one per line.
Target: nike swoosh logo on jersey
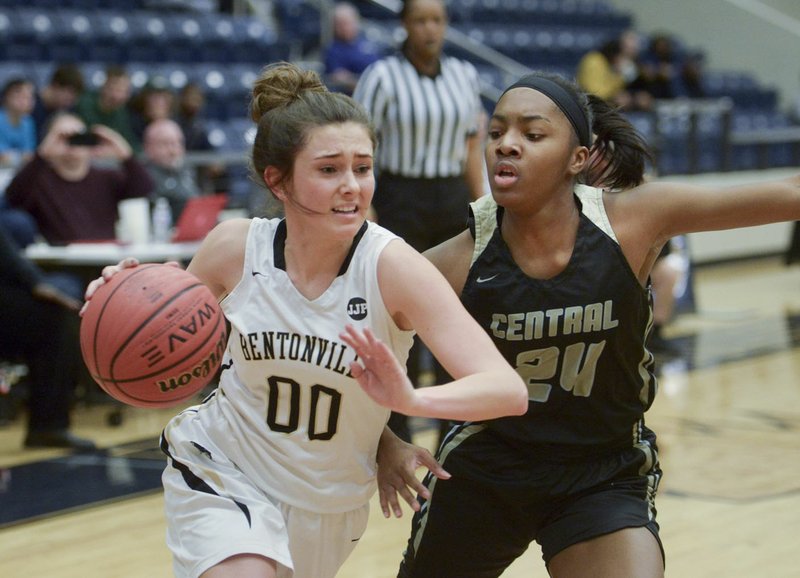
{"x":258,"y":273}
{"x":485,"y":279}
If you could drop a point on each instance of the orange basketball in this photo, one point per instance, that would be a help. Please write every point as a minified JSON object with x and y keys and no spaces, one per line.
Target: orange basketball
{"x":153,"y":336}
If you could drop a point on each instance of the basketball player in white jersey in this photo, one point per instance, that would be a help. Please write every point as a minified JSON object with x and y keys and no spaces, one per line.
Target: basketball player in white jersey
{"x":271,"y":476}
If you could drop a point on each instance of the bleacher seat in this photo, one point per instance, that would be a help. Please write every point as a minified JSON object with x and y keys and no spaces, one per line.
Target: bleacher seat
{"x":94,"y":74}
{"x":710,"y":140}
{"x":26,"y":32}
{"x":111,"y":37}
{"x":10,"y":70}
{"x":300,"y":22}
{"x":564,"y":13}
{"x":149,"y":37}
{"x":673,"y":126}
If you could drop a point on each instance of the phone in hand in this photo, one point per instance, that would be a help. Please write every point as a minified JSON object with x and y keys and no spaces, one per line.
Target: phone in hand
{"x":83,"y":139}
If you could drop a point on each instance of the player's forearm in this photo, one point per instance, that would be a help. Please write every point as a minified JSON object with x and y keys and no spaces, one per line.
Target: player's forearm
{"x":480,"y":396}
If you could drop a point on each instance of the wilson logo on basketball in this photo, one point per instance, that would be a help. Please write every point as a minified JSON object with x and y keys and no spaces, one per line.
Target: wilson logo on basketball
{"x":357,"y":308}
{"x":205,"y":368}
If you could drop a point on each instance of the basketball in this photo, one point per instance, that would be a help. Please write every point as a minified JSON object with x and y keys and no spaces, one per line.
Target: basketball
{"x":153,"y":336}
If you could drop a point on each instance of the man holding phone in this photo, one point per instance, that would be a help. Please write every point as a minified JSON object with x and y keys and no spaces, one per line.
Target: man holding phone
{"x":68,"y":194}
{"x":83,"y":139}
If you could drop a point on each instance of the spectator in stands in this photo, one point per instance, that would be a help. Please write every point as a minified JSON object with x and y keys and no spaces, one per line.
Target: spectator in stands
{"x":60,"y":94}
{"x":17,"y":129}
{"x":661,"y":67}
{"x":17,"y":143}
{"x":190,"y":115}
{"x":428,"y":115}
{"x":612,"y":72}
{"x":39,"y":326}
{"x":164,"y":157}
{"x":155,"y":101}
{"x":71,"y":198}
{"x":692,"y":75}
{"x":350,"y":52}
{"x":109,"y":105}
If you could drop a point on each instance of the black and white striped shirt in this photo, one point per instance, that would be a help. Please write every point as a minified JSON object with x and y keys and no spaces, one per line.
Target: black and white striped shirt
{"x":422,"y":122}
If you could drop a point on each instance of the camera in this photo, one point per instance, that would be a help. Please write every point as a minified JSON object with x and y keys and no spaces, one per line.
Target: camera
{"x":83,"y":139}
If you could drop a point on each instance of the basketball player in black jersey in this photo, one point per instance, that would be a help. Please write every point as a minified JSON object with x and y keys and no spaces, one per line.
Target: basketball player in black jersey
{"x":557,"y":273}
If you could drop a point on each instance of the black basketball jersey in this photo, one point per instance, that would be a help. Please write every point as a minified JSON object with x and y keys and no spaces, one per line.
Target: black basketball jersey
{"x":577,"y":339}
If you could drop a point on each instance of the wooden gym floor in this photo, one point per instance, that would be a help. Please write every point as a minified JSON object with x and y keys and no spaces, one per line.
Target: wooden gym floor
{"x":727,"y":416}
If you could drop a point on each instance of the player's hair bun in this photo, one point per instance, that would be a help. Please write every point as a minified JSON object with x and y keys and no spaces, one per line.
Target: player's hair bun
{"x":281,"y":84}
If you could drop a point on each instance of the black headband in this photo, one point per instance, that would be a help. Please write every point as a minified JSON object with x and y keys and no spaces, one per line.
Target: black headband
{"x":563,"y":99}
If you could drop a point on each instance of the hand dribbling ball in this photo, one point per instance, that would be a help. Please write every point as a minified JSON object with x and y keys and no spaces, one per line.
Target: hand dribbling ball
{"x":153,"y":336}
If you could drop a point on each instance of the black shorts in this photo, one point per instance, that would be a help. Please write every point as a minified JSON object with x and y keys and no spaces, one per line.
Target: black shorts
{"x":424,"y":212}
{"x":499,"y":501}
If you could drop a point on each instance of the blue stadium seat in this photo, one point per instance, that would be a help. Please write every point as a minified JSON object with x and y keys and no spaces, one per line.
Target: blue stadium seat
{"x":710,"y":138}
{"x":215,"y":82}
{"x":241,"y":133}
{"x":149,"y":37}
{"x":257,"y":43}
{"x":300,"y":22}
{"x":30,"y":25}
{"x":644,"y":123}
{"x":217,"y":135}
{"x":112,"y":35}
{"x":9,"y":70}
{"x":94,"y":74}
{"x":672,"y":147}
{"x":72,"y":34}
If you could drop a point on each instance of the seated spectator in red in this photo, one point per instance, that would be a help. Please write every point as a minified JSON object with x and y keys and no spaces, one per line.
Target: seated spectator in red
{"x":109,"y":106}
{"x":60,"y":94}
{"x":71,"y":198}
{"x":350,"y":52}
{"x":17,"y":130}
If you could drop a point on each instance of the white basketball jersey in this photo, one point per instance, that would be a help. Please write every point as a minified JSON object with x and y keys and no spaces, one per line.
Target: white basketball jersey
{"x":288,"y":413}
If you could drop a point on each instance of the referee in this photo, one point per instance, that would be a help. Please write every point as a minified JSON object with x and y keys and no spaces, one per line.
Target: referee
{"x":427,"y":112}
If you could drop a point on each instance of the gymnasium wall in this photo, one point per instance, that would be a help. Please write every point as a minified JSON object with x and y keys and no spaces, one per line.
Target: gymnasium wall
{"x":757,"y":36}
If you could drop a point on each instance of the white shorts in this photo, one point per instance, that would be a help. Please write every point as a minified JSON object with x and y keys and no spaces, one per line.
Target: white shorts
{"x":214,"y":511}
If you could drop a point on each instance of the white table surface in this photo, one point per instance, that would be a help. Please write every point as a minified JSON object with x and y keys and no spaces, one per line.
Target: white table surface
{"x":110,"y":253}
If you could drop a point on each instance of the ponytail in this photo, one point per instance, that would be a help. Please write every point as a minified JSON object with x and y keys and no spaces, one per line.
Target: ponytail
{"x":619,"y":154}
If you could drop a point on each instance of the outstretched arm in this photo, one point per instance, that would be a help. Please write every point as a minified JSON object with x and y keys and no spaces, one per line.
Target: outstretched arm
{"x":645,"y":217}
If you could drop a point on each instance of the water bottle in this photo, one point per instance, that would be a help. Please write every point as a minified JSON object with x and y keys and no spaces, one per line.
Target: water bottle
{"x":162,"y":221}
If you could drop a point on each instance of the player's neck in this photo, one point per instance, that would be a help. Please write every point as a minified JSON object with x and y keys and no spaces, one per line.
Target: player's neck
{"x":312,"y":266}
{"x":426,"y":64}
